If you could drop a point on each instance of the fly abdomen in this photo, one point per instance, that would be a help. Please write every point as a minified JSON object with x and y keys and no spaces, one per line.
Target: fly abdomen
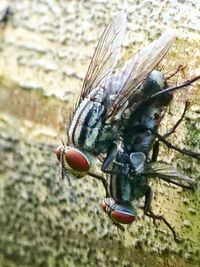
{"x":137,"y":134}
{"x":120,"y":189}
{"x":125,"y":189}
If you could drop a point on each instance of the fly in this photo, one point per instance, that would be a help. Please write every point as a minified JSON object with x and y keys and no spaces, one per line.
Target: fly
{"x":91,"y":133}
{"x":107,"y":112}
{"x":131,"y":167}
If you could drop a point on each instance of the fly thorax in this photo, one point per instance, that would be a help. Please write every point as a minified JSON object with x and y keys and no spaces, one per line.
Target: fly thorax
{"x":97,"y":95}
{"x":91,"y":136}
{"x":153,"y":83}
{"x":87,"y":121}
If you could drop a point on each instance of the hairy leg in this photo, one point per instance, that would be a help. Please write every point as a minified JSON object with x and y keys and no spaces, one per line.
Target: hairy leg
{"x":148,"y":212}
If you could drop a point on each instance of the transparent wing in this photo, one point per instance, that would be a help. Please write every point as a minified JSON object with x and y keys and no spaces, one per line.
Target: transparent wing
{"x":139,"y":67}
{"x":168,"y":173}
{"x":106,"y":54}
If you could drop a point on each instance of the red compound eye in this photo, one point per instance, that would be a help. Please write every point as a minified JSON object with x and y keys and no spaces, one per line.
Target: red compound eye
{"x":58,"y":151}
{"x":122,"y":217}
{"x":119,"y":213}
{"x":77,"y":160}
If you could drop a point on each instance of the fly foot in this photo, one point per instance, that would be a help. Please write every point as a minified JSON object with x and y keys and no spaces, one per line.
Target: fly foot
{"x":119,"y":226}
{"x":161,"y":218}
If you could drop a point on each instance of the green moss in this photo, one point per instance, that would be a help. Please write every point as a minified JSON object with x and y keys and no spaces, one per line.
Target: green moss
{"x":193,"y":135}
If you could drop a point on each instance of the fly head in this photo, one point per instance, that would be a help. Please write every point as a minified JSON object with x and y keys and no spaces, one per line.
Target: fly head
{"x":73,"y":161}
{"x":154,"y":83}
{"x":119,"y":213}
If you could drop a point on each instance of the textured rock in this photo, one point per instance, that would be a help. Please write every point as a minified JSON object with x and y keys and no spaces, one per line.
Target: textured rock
{"x":45,"y":48}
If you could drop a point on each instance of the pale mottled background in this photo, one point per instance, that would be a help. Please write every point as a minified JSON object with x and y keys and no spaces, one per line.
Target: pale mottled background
{"x":45,"y":48}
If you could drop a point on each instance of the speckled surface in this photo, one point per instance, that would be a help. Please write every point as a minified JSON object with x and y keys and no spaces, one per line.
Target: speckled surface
{"x":45,"y":49}
{"x":45,"y":222}
{"x":56,"y":39}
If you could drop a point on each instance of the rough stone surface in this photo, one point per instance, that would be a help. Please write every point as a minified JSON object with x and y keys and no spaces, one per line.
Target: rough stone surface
{"x":45,"y":48}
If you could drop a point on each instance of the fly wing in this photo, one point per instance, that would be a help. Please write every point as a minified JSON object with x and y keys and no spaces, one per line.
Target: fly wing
{"x":106,"y":54}
{"x":138,"y":68}
{"x":168,"y":173}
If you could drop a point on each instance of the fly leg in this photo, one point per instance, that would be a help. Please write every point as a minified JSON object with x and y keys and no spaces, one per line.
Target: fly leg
{"x":110,"y":157}
{"x":180,"y":68}
{"x":63,"y":171}
{"x":103,"y":180}
{"x":155,"y":151}
{"x":166,"y":179}
{"x":148,"y":212}
{"x":162,"y":138}
{"x":119,"y":226}
{"x":168,"y":144}
{"x":173,"y":129}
